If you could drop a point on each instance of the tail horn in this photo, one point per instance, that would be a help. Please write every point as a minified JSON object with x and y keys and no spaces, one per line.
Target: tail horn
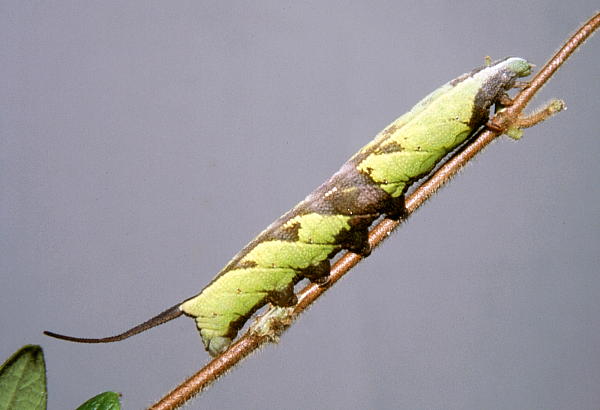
{"x":167,"y":315}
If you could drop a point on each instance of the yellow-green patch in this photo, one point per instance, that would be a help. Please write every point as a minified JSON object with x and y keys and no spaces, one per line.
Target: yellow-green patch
{"x":319,"y":229}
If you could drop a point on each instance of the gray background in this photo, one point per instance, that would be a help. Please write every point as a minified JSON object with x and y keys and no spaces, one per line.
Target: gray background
{"x":144,"y":143}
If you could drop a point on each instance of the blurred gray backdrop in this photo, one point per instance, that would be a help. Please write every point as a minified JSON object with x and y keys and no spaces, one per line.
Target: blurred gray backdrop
{"x":143,"y":143}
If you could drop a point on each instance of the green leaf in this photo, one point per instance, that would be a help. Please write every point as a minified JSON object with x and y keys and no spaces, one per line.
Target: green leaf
{"x":104,"y":401}
{"x":23,"y":380}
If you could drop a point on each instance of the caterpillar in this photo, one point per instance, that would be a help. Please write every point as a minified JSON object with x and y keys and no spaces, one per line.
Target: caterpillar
{"x":337,"y":215}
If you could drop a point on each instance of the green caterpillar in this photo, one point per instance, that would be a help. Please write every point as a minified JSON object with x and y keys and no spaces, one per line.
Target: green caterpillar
{"x":337,"y":215}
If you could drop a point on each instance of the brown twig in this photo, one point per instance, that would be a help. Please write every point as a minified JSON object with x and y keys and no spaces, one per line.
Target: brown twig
{"x":502,"y":121}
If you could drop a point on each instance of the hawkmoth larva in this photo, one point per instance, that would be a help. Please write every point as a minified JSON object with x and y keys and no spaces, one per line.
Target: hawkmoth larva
{"x":337,"y":215}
